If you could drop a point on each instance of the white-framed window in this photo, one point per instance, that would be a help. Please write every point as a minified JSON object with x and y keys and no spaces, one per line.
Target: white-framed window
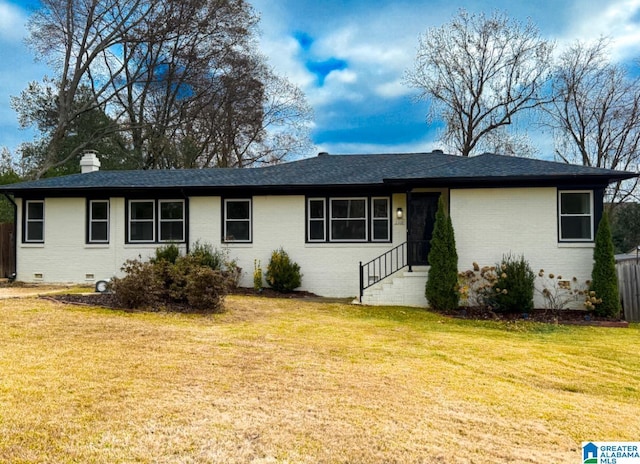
{"x":348,"y":219}
{"x":237,"y":220}
{"x":171,"y":220}
{"x":34,"y":221}
{"x":576,"y":221}
{"x":316,"y":219}
{"x":98,"y":226}
{"x":142,"y":221}
{"x":380,"y":219}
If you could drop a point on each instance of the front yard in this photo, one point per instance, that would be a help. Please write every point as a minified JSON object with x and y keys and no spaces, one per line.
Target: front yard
{"x":295,"y":381}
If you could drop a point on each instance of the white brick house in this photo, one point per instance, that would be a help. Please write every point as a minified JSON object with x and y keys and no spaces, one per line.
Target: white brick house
{"x":330,"y":213}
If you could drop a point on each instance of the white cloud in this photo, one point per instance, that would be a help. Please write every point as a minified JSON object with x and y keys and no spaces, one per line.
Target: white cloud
{"x":614,"y":20}
{"x":12,"y":20}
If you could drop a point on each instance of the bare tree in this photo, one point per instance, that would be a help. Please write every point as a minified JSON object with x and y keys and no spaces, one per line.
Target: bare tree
{"x":154,"y":67}
{"x":595,"y":113}
{"x":478,"y":73}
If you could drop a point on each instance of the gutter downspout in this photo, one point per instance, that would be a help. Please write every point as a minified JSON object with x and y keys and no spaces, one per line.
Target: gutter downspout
{"x":15,"y":234}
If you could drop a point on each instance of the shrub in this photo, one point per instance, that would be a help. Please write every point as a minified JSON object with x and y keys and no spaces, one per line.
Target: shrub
{"x":257,"y":275}
{"x":514,"y":285}
{"x":559,"y":294}
{"x":174,"y":284}
{"x":206,"y":255}
{"x":475,"y":286}
{"x":168,"y":253}
{"x":604,"y":280}
{"x":283,"y":275}
{"x":441,"y":289}
{"x":206,"y":289}
{"x":142,"y":286}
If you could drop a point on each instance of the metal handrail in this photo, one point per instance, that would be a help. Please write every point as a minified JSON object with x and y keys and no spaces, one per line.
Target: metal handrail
{"x":382,"y":267}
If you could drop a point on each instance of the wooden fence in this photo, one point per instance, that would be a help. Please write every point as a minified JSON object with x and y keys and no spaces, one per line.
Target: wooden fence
{"x":7,"y":250}
{"x":629,"y":287}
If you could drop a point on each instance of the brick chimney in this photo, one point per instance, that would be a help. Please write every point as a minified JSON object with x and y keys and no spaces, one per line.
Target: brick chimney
{"x":89,"y":161}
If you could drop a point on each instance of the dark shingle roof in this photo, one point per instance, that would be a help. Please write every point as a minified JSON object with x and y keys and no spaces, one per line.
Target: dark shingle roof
{"x":336,"y":170}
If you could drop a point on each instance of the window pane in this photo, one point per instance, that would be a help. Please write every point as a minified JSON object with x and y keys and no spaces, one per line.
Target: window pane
{"x":237,"y":230}
{"x":238,"y":209}
{"x":316,"y":230}
{"x":35,"y":231}
{"x":99,"y":210}
{"x":348,"y":208}
{"x":316,"y":209}
{"x":348,"y":230}
{"x":576,"y":227}
{"x":575,"y":203}
{"x":381,"y":229}
{"x":99,"y":232}
{"x":35,"y":210}
{"x":142,"y":231}
{"x":142,"y":210}
{"x":380,"y":208}
{"x":171,"y":231}
{"x":171,"y":210}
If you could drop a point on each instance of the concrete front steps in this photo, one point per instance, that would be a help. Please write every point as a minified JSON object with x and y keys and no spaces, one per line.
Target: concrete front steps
{"x":403,"y":288}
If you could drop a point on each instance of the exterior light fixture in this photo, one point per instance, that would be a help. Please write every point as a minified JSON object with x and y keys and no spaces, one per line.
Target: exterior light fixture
{"x":399,"y":213}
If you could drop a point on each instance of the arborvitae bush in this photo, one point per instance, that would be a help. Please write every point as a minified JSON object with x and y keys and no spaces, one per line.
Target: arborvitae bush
{"x":442,"y":283}
{"x":515,"y":285}
{"x":604,"y":280}
{"x":283,"y":275}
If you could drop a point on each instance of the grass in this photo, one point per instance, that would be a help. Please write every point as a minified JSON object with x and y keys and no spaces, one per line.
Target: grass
{"x":290,"y":381}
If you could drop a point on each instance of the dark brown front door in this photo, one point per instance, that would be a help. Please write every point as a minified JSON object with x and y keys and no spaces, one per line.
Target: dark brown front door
{"x":422,"y":216}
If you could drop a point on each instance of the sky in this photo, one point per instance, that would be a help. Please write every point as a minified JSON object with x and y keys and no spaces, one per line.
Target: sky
{"x":349,"y":58}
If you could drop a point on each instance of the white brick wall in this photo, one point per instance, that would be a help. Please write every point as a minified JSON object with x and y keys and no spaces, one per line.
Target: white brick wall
{"x":488,"y":223}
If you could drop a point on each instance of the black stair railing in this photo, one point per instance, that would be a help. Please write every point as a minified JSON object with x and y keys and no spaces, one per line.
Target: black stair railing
{"x":382,"y":267}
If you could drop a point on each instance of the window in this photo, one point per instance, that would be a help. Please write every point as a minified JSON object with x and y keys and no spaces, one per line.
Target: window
{"x":142,"y":221}
{"x":380,"y":222}
{"x":357,"y":219}
{"x":316,"y":224}
{"x":348,"y":219}
{"x":237,"y":220}
{"x":576,"y":215}
{"x":171,"y":220}
{"x":34,"y":221}
{"x":98,"y":230}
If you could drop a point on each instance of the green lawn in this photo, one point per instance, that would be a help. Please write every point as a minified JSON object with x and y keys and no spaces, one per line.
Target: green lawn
{"x":290,"y":381}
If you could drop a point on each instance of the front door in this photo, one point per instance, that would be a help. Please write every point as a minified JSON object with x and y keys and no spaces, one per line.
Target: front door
{"x":422,"y":216}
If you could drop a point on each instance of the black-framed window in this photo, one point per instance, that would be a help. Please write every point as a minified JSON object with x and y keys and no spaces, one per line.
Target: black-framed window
{"x":348,"y":219}
{"x":98,"y":221}
{"x":34,"y":221}
{"x":576,"y":216}
{"x":237,"y":220}
{"x":151,"y":221}
{"x":171,"y":218}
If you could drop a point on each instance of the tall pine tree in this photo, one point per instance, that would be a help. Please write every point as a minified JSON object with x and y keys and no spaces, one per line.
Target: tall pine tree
{"x":604,"y":280}
{"x":441,"y":288}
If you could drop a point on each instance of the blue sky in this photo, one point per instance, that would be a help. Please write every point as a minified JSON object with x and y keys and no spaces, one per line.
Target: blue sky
{"x":349,"y":58}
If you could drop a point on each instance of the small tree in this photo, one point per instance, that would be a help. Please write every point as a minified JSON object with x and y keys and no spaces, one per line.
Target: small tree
{"x":604,"y":280}
{"x":441,"y":289}
{"x":283,"y":274}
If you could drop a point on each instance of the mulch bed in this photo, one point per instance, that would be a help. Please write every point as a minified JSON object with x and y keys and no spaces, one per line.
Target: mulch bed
{"x":566,"y":316}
